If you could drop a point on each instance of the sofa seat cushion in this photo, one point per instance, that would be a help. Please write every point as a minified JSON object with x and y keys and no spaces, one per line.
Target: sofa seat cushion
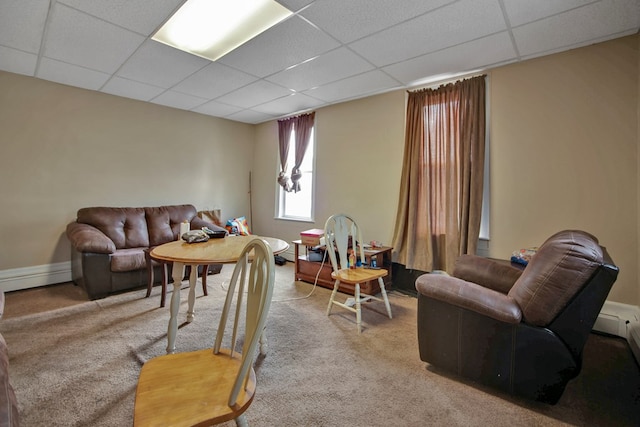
{"x":128,"y":260}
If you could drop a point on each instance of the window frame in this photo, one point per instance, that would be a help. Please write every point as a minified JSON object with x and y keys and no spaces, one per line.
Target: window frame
{"x":281,"y":195}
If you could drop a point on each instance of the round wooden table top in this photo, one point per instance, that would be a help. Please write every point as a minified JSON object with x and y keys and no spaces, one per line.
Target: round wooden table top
{"x":213,"y":251}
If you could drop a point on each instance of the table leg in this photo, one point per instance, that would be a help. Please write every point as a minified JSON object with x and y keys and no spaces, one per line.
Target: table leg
{"x":178,"y":271}
{"x":193,"y":276}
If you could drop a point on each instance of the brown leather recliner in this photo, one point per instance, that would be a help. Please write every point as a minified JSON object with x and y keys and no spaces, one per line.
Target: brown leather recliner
{"x":521,"y":331}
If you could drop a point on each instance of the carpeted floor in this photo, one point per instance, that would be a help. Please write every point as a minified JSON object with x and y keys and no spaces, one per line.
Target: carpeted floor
{"x":75,"y":363}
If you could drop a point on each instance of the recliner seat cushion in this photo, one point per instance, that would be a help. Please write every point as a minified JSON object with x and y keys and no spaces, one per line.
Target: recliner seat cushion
{"x":563,"y":265}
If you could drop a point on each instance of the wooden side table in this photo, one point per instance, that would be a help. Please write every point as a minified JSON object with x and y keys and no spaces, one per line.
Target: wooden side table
{"x":308,"y":270}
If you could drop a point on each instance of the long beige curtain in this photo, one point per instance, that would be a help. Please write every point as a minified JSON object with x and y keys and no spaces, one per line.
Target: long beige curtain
{"x":440,"y":203}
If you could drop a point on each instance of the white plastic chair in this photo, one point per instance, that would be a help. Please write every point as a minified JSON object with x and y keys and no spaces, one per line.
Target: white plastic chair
{"x":213,"y":385}
{"x":339,"y":232}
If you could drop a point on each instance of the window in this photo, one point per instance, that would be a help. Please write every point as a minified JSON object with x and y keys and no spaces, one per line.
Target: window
{"x":298,"y":205}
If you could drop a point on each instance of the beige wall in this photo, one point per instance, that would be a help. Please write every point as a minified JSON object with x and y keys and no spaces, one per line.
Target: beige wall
{"x":65,"y":148}
{"x":564,"y":152}
{"x":359,"y":147}
{"x":564,"y":138}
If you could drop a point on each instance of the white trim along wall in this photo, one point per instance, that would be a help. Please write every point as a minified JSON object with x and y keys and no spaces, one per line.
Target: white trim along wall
{"x":622,"y":320}
{"x":32,"y":277}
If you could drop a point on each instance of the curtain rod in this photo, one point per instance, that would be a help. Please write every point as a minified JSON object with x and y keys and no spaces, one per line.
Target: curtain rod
{"x":446,"y":80}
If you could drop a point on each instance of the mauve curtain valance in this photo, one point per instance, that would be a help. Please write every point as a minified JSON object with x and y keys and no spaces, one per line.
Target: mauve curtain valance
{"x":302,"y":125}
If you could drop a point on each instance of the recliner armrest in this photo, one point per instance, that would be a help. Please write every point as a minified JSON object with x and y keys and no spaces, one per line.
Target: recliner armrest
{"x":86,"y":238}
{"x":470,"y":296}
{"x":489,"y":273}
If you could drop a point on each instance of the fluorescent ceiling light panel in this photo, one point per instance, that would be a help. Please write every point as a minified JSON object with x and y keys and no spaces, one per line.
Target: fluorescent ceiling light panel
{"x":213,"y":28}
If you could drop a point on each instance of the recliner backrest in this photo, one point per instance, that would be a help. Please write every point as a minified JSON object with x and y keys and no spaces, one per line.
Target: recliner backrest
{"x":558,"y":271}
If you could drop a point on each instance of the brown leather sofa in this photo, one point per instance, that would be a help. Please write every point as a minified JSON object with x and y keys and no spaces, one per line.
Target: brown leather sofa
{"x":521,"y":331}
{"x":8,"y":402}
{"x":108,"y":244}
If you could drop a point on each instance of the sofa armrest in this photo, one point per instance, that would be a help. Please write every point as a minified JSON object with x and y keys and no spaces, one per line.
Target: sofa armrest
{"x":197,"y":223}
{"x":492,"y":274}
{"x":86,"y":238}
{"x":470,"y":296}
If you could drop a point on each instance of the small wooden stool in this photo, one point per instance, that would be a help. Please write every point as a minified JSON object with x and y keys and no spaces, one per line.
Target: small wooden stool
{"x":152,"y":262}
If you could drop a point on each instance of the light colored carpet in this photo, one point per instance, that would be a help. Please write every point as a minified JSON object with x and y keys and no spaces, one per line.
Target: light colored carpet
{"x":78,"y":366}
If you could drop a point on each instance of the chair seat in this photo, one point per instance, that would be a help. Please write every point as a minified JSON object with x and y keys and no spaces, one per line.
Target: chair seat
{"x":358,"y":275}
{"x":186,"y":380}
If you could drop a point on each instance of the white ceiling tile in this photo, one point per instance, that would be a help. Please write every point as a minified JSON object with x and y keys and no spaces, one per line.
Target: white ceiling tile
{"x":480,"y":53}
{"x":71,"y":75}
{"x":80,"y":39}
{"x":578,"y":26}
{"x":16,"y":61}
{"x":131,"y":89}
{"x":523,"y":11}
{"x":288,"y":104}
{"x":350,"y":20}
{"x":214,"y":80}
{"x":22,"y":23}
{"x":294,"y":5}
{"x":354,"y":87}
{"x":178,"y":100}
{"x":141,"y":16}
{"x":445,"y":27}
{"x":218,"y":109}
{"x":331,"y":66}
{"x":288,"y":43}
{"x":103,"y":45}
{"x":256,"y":93}
{"x":249,"y":116}
{"x":160,"y":65}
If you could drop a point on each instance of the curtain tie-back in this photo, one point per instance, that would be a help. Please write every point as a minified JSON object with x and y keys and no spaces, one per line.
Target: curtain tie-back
{"x":296,"y":175}
{"x":284,"y":182}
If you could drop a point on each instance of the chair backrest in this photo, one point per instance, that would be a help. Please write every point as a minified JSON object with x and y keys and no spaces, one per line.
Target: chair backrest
{"x":342,"y":233}
{"x":254,"y":274}
{"x":555,"y":275}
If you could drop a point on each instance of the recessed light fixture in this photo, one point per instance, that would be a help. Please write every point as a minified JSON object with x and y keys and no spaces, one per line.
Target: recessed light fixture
{"x":213,"y":28}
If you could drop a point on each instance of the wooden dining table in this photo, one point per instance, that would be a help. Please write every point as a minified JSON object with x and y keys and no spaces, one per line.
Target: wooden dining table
{"x":213,"y":251}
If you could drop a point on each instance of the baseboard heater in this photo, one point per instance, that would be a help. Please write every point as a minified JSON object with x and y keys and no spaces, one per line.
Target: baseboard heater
{"x":621,"y":320}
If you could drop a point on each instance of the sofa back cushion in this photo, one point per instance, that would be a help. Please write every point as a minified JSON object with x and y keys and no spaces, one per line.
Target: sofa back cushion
{"x":163,"y":222}
{"x":127,"y":227}
{"x":560,"y":268}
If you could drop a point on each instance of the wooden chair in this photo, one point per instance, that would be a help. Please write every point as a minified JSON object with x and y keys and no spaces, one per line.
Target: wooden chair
{"x":339,"y":233}
{"x":214,"y":385}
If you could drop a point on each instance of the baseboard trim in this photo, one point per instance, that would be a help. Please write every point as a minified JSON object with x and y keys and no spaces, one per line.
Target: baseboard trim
{"x":622,"y":320}
{"x":31,"y":277}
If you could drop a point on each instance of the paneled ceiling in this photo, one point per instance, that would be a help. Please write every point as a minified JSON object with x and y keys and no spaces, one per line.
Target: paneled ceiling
{"x":328,"y":52}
